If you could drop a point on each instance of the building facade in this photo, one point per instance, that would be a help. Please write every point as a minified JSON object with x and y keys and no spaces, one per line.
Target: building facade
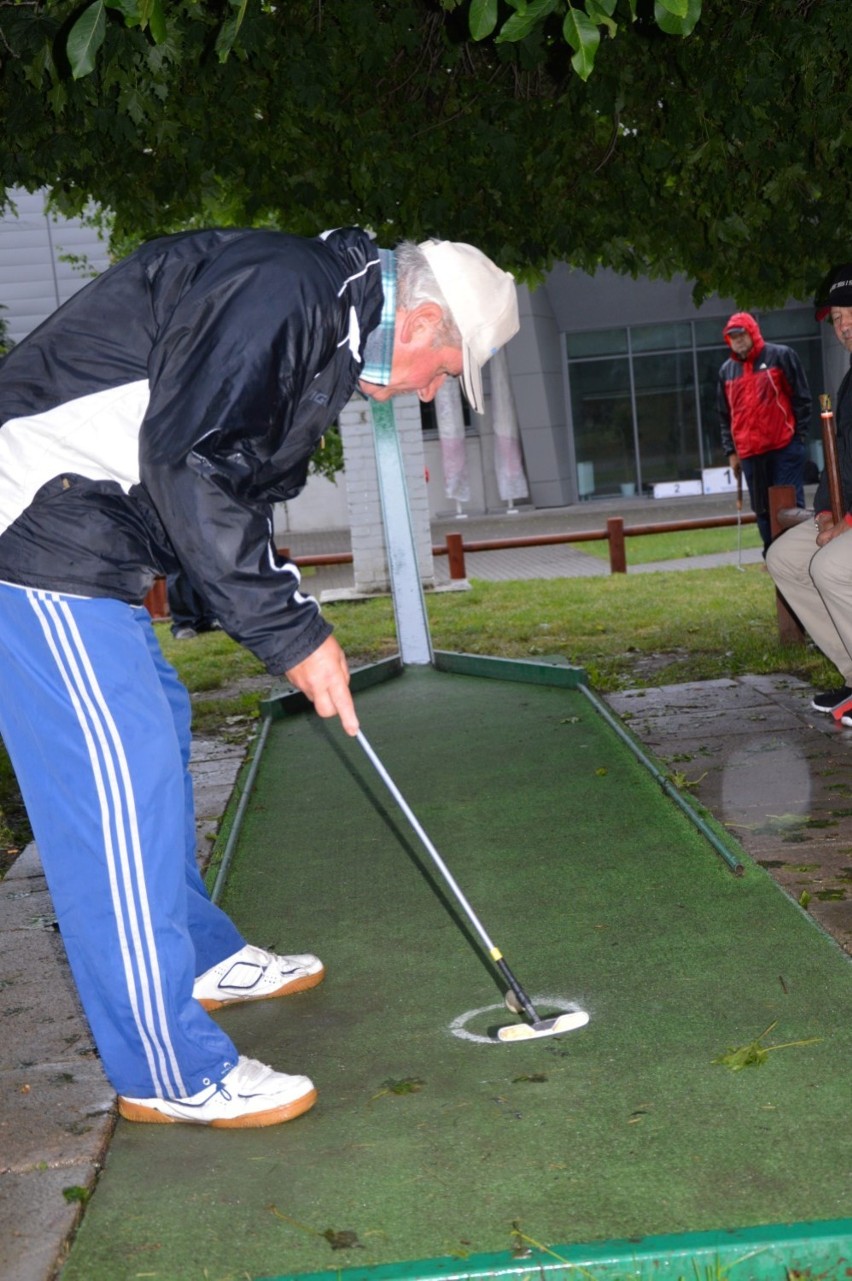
{"x":615,"y":382}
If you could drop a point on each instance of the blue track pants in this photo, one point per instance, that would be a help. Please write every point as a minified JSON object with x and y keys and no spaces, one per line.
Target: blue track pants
{"x":97,"y":725}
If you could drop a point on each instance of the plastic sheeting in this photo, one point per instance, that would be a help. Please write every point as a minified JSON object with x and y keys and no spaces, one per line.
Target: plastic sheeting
{"x":508,"y":458}
{"x":448,"y":411}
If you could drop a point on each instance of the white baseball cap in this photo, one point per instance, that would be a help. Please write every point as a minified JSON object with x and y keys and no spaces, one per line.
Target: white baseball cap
{"x":484,"y":304}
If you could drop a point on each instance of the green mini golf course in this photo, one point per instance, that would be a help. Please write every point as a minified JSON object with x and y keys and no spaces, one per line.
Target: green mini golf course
{"x":620,"y":1150}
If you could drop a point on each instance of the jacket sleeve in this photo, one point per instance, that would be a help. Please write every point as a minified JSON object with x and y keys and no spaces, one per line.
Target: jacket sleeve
{"x":800,"y":393}
{"x":724,"y":409}
{"x":227,"y":374}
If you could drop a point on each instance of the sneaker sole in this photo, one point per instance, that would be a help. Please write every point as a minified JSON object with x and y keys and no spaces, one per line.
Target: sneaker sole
{"x":287,"y":989}
{"x":248,"y":1121}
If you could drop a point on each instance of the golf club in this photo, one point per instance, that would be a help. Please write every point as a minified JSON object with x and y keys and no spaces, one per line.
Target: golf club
{"x":740,"y":522}
{"x":516,"y":998}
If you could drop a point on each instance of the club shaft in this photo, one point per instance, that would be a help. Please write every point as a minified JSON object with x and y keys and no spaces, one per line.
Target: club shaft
{"x":436,"y":857}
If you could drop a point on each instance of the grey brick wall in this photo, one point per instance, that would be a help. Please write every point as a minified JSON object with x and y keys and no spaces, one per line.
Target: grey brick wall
{"x":369,"y":552}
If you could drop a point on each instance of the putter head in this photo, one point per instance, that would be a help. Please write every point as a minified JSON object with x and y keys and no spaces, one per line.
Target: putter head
{"x":557,"y":1026}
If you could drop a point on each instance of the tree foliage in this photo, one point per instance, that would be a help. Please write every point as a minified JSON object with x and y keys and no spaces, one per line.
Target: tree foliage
{"x":718,"y":154}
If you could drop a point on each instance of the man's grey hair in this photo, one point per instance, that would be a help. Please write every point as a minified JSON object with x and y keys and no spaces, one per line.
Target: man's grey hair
{"x":416,"y":283}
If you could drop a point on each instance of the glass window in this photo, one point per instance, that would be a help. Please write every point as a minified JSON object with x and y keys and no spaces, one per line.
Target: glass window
{"x":661,"y":337}
{"x":429,"y":418}
{"x":603,"y":426}
{"x":709,"y":333}
{"x":780,"y":326}
{"x":666,"y":416}
{"x":597,"y":342}
{"x":709,"y":363}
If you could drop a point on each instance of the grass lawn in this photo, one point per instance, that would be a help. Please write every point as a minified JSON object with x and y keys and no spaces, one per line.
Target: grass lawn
{"x":627,"y":631}
{"x":643,"y":549}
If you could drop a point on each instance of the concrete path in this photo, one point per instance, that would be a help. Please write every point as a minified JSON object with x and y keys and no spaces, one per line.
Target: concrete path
{"x":567,"y":560}
{"x":57,"y":1110}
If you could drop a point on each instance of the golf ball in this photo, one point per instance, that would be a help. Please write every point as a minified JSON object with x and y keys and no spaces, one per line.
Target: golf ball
{"x":512,"y":1003}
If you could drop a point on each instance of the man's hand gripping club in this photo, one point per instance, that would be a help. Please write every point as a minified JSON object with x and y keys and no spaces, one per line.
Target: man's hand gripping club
{"x":323,"y":677}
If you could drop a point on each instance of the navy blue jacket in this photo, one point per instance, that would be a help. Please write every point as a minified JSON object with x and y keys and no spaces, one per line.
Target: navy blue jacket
{"x":154,"y":419}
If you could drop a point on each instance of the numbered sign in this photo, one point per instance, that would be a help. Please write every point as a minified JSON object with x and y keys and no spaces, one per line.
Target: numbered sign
{"x":718,"y":480}
{"x":678,"y":489}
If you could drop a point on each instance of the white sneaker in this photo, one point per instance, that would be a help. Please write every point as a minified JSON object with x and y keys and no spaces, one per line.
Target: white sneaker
{"x":251,"y":1094}
{"x":253,"y":974}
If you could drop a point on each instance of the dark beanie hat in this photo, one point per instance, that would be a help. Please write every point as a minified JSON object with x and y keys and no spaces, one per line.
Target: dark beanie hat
{"x":834,"y":291}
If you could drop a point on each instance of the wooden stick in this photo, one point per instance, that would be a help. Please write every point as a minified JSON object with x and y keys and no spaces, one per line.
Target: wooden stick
{"x":832,"y":468}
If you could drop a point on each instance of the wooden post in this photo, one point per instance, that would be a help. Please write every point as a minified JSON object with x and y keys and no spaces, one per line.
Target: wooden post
{"x":832,"y":467}
{"x":157,"y":601}
{"x":617,"y":553}
{"x":782,"y":499}
{"x":455,"y":556}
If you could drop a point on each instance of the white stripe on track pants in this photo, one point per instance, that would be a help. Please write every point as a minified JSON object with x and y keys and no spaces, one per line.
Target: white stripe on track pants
{"x":97,"y":725}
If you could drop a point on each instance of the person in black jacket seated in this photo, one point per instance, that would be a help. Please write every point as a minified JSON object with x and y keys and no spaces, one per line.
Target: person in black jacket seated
{"x":812,"y":562}
{"x":150,"y":424}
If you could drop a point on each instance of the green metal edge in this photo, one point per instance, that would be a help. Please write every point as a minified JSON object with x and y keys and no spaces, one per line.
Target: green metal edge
{"x":291,"y":702}
{"x":772,"y":1252}
{"x":231,"y":821}
{"x":286,"y":703}
{"x":555,"y":670}
{"x":731,"y":854}
{"x":543,"y":671}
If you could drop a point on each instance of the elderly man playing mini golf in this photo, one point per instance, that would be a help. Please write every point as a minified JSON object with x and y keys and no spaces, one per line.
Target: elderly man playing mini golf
{"x":147,"y":426}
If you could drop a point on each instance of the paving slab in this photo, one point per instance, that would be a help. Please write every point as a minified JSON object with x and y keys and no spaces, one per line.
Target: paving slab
{"x":38,"y":1219}
{"x":57,"y":1110}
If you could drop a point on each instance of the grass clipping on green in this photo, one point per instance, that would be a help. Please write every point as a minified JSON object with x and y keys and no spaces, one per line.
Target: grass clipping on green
{"x":754,"y":1054}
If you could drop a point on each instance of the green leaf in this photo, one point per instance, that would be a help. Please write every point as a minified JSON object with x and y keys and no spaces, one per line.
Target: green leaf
{"x":583,"y":36}
{"x":522,"y":23}
{"x":754,"y":1054}
{"x":482,"y":18}
{"x":128,"y":9}
{"x":600,"y":12}
{"x":148,"y":13}
{"x":669,"y":18}
{"x":85,"y":39}
{"x":157,"y":23}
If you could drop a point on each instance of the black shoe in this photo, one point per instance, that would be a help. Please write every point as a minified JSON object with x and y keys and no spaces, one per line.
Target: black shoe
{"x":830,"y":699}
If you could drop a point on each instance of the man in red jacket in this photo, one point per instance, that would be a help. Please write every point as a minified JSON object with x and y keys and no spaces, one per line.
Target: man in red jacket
{"x":765,"y":412}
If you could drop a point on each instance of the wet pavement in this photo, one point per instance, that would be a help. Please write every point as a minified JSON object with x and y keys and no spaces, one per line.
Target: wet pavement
{"x":57,"y":1110}
{"x":775,"y":773}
